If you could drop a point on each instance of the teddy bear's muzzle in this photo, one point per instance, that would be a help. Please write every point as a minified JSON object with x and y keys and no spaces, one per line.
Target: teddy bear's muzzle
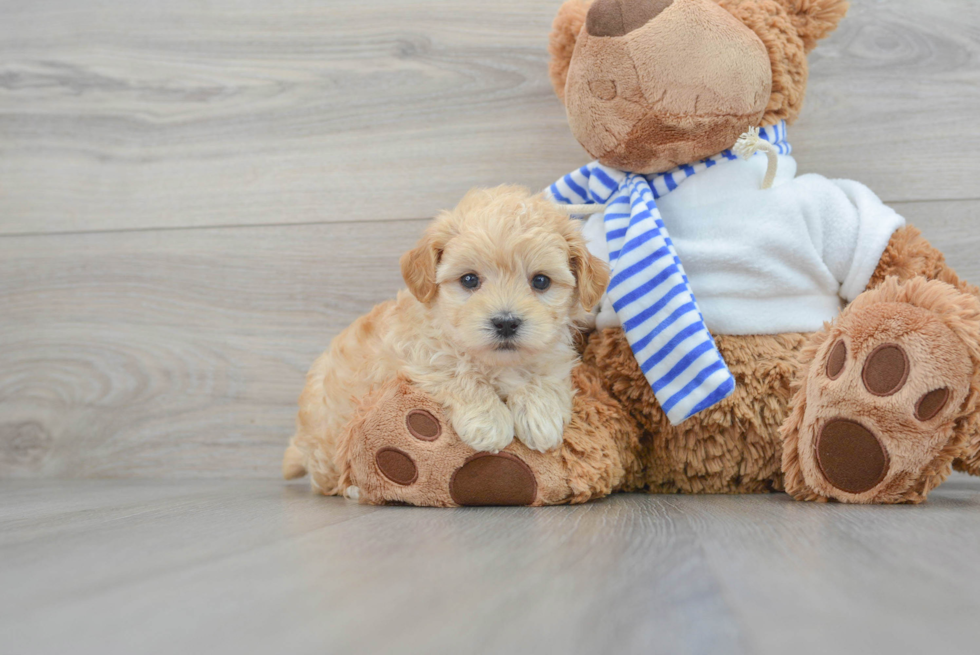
{"x":640,"y":98}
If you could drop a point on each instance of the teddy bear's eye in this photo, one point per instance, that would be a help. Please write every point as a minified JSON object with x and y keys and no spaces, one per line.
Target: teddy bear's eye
{"x":541,"y":282}
{"x":470,"y":281}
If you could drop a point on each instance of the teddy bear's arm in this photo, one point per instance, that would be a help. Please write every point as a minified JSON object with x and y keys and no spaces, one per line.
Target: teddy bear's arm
{"x":910,"y":255}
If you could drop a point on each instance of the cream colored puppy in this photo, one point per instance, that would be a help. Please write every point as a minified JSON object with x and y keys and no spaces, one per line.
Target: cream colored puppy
{"x":498,"y":287}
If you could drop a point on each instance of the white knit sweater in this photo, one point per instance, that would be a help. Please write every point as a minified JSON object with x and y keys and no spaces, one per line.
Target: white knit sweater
{"x":769,"y":261}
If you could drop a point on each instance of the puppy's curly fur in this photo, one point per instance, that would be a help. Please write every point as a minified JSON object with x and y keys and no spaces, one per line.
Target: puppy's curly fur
{"x":474,"y":265}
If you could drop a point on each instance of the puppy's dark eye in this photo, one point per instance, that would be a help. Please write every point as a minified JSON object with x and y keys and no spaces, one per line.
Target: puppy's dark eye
{"x":541,"y":282}
{"x":470,"y":281}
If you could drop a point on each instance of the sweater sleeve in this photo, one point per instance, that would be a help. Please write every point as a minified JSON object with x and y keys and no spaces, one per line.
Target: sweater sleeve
{"x":876,"y":223}
{"x":849,"y":227}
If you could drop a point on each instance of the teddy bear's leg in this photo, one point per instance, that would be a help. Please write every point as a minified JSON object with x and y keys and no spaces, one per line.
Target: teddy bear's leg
{"x":733,"y":447}
{"x":399,"y":448}
{"x":910,"y":255}
{"x":888,"y":396}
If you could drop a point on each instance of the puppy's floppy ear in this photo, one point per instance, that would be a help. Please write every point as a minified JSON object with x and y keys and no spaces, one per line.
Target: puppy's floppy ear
{"x":419,"y":268}
{"x":561,"y":42}
{"x":591,"y":273}
{"x":814,"y":19}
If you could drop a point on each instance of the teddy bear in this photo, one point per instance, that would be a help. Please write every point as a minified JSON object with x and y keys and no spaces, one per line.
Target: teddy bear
{"x":843,"y":352}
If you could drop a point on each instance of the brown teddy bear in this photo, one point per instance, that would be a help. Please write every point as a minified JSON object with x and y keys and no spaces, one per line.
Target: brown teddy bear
{"x":872,"y":404}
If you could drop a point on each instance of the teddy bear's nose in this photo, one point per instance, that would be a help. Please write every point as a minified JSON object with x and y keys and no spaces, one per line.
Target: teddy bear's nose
{"x":619,"y":17}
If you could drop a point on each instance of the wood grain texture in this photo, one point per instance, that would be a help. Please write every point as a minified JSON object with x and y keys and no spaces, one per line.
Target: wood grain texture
{"x":176,"y":352}
{"x":892,"y":100}
{"x":258,"y":567}
{"x":117,"y":114}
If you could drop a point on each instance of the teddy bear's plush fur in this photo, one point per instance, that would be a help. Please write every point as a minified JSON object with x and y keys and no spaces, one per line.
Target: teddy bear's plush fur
{"x":904,"y":357}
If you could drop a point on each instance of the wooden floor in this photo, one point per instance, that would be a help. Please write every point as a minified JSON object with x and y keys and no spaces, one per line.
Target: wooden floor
{"x":196,"y":196}
{"x":259,"y":567}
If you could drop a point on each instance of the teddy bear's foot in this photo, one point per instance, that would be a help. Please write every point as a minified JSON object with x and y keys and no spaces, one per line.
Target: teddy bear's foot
{"x":880,"y":416}
{"x":400,"y":449}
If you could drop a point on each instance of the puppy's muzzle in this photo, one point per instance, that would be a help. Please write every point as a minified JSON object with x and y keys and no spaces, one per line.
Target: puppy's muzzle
{"x":506,"y":326}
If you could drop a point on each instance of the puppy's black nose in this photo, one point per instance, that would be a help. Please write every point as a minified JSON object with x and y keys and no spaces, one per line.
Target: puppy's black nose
{"x":506,"y":325}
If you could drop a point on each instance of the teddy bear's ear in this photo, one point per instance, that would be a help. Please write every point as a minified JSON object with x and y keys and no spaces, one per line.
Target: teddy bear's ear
{"x":815,"y":19}
{"x":561,"y":43}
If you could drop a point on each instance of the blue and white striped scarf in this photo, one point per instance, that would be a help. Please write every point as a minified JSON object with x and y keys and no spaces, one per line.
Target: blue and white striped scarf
{"x":649,"y":289}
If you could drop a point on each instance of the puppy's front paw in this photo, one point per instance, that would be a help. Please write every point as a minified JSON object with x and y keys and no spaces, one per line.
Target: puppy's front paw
{"x":539,"y":420}
{"x":488,"y":429}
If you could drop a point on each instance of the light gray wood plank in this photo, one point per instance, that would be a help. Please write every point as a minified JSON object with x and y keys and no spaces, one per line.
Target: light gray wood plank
{"x":254,"y":567}
{"x":892,"y":100}
{"x":180,"y":353}
{"x":121,"y":114}
{"x":174,"y":353}
{"x":951,"y":227}
{"x":117,"y":114}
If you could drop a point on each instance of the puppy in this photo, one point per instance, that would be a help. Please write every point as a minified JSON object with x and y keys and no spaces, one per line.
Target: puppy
{"x":498,"y":286}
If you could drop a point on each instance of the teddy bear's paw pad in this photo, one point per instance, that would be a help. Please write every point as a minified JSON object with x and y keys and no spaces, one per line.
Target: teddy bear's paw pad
{"x":493,"y":479}
{"x":931,"y":404}
{"x":836,"y":360}
{"x":397,"y":466}
{"x":886,"y":370}
{"x":423,"y":425}
{"x":882,"y":403}
{"x":850,"y":456}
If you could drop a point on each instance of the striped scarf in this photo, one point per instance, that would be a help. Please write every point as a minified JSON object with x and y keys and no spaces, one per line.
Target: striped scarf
{"x":649,"y":289}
